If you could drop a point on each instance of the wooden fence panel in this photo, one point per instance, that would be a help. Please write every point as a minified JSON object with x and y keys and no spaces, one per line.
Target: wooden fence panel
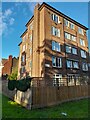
{"x":47,"y":96}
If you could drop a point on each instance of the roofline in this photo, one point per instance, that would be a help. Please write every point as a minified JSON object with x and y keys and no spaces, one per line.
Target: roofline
{"x":63,"y":15}
{"x":23,"y":33}
{"x":29,"y":21}
{"x":19,"y":43}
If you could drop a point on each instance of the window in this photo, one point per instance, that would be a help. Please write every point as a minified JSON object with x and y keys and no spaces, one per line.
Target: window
{"x":75,"y":64}
{"x":73,"y":38}
{"x":53,"y":61}
{"x":68,"y":49}
{"x":30,"y":64}
{"x":26,"y":45}
{"x":74,"y":51}
{"x":23,"y":58}
{"x":67,"y":35}
{"x":57,"y":79}
{"x":31,"y":37}
{"x":23,"y":49}
{"x":56,"y":46}
{"x":56,"y":62}
{"x":83,"y":54}
{"x":82,"y":43}
{"x":54,"y":18}
{"x":72,"y":64}
{"x":55,"y":31}
{"x":30,"y":51}
{"x":69,"y":64}
{"x":31,"y":26}
{"x":84,"y":66}
{"x":80,"y":30}
{"x":22,"y":69}
{"x":66,"y":22}
{"x":71,"y":25}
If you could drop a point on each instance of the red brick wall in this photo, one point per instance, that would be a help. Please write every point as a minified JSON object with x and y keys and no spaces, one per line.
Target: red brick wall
{"x":7,"y":66}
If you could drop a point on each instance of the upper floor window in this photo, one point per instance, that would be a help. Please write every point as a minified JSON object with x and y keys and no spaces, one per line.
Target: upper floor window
{"x":54,"y":17}
{"x":72,"y":64}
{"x":23,"y":49}
{"x":22,"y":69}
{"x":72,"y":26}
{"x":55,"y":31}
{"x":30,"y":51}
{"x":75,"y":64}
{"x":82,"y":42}
{"x":74,"y":51}
{"x":84,"y":66}
{"x":67,"y":35}
{"x":31,"y":26}
{"x":30,"y":63}
{"x":80,"y":30}
{"x":83,"y":54}
{"x":69,"y":64}
{"x":68,"y":49}
{"x":31,"y":37}
{"x":66,"y":22}
{"x":73,"y":38}
{"x":56,"y":62}
{"x":23,"y":58}
{"x":56,"y":46}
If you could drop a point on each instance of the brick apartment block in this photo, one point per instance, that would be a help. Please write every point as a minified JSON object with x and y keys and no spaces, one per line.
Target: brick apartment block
{"x":53,"y":45}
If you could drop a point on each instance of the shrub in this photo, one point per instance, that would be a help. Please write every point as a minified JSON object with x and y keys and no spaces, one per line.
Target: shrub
{"x":21,"y":85}
{"x":11,"y":84}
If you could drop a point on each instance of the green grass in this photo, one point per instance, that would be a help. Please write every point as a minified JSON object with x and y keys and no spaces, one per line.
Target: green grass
{"x":75,"y":109}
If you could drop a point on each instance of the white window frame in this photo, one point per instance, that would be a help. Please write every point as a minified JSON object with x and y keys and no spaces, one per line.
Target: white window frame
{"x":69,"y":64}
{"x":66,"y":22}
{"x":54,"y":17}
{"x":75,"y":64}
{"x":74,"y":51}
{"x":55,"y":31}
{"x":22,"y":69}
{"x":72,"y":26}
{"x":80,"y":30}
{"x":82,"y":42}
{"x":83,"y":54}
{"x":58,"y":60}
{"x":56,"y":46}
{"x":23,"y":48}
{"x":67,"y":35}
{"x":73,"y":38}
{"x":68,"y":49}
{"x":84,"y":66}
{"x":31,"y":37}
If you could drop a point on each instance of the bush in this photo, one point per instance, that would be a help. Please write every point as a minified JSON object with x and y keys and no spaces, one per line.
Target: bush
{"x":11,"y":84}
{"x":21,"y":85}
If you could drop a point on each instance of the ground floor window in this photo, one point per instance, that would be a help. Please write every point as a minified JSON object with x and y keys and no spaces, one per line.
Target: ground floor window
{"x":73,"y":79}
{"x":57,"y":79}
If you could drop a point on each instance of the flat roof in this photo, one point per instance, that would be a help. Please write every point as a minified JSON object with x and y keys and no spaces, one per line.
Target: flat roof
{"x":19,"y":43}
{"x":29,"y":21}
{"x":23,"y":33}
{"x":63,"y":15}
